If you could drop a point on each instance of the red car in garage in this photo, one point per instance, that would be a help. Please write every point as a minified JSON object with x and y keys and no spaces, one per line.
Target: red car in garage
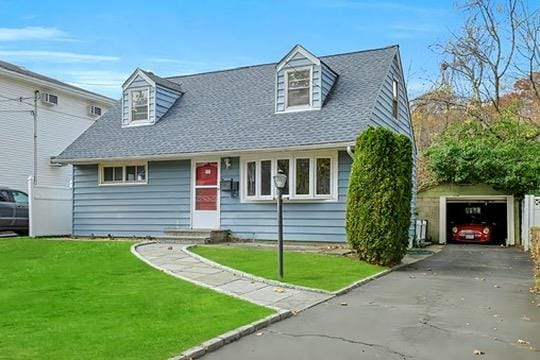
{"x":472,"y":233}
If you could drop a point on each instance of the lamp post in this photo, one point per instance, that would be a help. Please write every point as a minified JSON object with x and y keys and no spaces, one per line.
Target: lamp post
{"x":280,"y":179}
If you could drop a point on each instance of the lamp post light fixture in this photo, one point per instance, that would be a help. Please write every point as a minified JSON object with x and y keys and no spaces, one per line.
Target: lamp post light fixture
{"x":280,"y":179}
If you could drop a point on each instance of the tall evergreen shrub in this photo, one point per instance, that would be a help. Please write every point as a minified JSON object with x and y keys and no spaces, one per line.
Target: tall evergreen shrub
{"x":379,"y":198}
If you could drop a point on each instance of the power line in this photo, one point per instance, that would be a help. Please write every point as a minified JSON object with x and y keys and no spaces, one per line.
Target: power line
{"x":20,"y":101}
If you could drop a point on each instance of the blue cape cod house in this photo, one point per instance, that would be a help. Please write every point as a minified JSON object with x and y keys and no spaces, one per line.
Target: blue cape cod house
{"x":199,"y":151}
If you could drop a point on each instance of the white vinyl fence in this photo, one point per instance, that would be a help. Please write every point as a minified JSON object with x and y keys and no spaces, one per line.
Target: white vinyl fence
{"x":49,"y":209}
{"x":530,"y":218}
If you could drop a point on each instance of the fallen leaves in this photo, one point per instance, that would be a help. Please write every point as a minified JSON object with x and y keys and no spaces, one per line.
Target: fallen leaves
{"x":478,"y":352}
{"x":526,"y":318}
{"x":523,"y":342}
{"x":343,"y":304}
{"x":259,"y":333}
{"x":279,"y":290}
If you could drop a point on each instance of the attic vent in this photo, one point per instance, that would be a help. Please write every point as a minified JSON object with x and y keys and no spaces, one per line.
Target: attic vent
{"x":94,"y":110}
{"x":49,"y":99}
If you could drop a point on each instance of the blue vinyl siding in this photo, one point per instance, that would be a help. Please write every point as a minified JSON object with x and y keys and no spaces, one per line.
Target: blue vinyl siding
{"x":136,"y":210}
{"x":328,"y":78}
{"x":382,"y":116}
{"x":315,"y":221}
{"x":164,"y":100}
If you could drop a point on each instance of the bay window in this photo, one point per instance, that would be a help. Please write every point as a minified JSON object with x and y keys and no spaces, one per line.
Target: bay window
{"x":310,"y":177}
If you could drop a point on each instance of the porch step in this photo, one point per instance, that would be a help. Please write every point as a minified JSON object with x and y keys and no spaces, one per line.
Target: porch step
{"x":182,"y":235}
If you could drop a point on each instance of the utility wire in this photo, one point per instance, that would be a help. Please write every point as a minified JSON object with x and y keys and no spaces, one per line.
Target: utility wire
{"x":20,"y":101}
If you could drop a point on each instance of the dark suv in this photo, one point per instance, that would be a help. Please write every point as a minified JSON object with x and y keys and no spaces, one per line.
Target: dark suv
{"x":13,"y":211}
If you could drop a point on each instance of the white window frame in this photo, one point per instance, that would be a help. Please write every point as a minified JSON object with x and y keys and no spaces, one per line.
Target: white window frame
{"x":130,"y":106}
{"x":315,"y":176}
{"x":124,"y":182}
{"x":395,"y":98}
{"x":292,"y":196}
{"x":286,"y":100}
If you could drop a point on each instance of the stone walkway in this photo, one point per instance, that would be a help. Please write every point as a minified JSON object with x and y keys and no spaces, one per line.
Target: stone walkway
{"x":171,"y":258}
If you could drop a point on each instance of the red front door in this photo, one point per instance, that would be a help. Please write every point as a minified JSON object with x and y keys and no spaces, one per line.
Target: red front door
{"x":206,"y":195}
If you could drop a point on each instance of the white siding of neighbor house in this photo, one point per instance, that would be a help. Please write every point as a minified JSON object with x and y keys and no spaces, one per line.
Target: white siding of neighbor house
{"x":55,"y":132}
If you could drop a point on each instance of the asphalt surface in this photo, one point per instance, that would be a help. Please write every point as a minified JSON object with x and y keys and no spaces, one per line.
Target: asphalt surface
{"x":465,"y":298}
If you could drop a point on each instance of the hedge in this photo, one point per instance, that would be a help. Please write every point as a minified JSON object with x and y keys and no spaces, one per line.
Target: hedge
{"x":379,"y":197}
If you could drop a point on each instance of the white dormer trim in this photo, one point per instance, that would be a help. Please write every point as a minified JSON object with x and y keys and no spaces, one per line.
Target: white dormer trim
{"x":298,"y":49}
{"x":133,"y":76}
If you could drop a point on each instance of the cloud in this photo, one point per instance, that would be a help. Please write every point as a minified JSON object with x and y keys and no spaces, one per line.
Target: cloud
{"x":95,"y":78}
{"x":33,"y":33}
{"x":55,"y":56}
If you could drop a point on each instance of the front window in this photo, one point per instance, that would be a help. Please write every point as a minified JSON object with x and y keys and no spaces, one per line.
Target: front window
{"x":302,"y":177}
{"x":139,"y":105}
{"x":323,"y":176}
{"x":309,"y":177}
{"x":298,"y":88}
{"x":123,"y":174}
{"x":266,"y":178}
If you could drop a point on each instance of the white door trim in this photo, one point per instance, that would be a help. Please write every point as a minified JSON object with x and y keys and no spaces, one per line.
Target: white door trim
{"x":194,"y":163}
{"x":511,"y":240}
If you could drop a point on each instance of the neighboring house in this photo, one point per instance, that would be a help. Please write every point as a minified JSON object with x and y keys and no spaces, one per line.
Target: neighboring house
{"x":199,"y":151}
{"x":63,"y":113}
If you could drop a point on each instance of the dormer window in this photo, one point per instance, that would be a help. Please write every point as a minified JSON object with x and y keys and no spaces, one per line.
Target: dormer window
{"x":139,"y":104}
{"x":299,"y":88}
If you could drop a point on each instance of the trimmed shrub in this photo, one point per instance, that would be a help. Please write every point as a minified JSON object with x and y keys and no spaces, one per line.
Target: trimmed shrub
{"x":535,"y":254}
{"x":379,"y":198}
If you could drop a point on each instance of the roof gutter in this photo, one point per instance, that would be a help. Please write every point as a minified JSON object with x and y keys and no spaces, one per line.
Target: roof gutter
{"x":181,"y":156}
{"x":350,"y":152}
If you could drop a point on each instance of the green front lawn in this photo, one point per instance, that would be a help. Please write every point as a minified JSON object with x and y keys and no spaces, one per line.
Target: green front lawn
{"x":327,"y":272}
{"x":95,"y":300}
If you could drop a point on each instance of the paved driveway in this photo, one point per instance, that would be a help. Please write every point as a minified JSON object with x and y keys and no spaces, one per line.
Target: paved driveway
{"x":462,"y":299}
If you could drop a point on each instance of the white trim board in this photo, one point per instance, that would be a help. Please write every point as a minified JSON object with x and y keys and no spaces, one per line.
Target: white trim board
{"x":509,"y":199}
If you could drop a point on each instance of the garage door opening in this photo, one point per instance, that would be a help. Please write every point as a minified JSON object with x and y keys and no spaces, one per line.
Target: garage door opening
{"x":477,"y":222}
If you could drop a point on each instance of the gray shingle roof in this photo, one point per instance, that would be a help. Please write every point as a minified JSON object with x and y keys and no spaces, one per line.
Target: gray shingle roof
{"x":164,"y":82}
{"x":20,"y":70}
{"x":234,"y":110}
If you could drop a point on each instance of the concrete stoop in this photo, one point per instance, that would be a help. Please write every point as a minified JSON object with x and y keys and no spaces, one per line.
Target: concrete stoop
{"x":194,"y":236}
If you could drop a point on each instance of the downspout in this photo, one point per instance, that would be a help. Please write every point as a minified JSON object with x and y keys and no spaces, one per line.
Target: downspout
{"x":350,"y":152}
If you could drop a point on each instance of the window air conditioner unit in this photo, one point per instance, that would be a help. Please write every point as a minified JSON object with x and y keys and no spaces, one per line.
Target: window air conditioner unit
{"x":94,"y":110}
{"x":49,"y":99}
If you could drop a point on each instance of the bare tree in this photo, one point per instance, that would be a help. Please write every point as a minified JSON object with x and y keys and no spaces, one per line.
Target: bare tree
{"x":481,"y":54}
{"x":529,"y":48}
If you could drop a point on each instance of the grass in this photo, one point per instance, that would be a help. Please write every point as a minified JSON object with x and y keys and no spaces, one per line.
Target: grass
{"x":95,"y":300}
{"x":327,"y":272}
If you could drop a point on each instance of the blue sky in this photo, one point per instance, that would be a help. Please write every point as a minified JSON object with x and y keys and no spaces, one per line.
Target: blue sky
{"x":97,"y":44}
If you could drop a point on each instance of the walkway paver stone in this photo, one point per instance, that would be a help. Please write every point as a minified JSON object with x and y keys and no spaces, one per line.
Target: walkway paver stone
{"x":172,"y":258}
